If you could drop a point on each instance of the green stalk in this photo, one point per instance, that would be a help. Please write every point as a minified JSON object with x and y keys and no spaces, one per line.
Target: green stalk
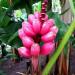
{"x":65,"y":39}
{"x":72,"y":6}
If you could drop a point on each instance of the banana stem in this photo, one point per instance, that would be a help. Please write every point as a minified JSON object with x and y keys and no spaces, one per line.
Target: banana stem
{"x":35,"y":65}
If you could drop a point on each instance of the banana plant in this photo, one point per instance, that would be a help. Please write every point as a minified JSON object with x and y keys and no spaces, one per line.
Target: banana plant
{"x":8,"y":28}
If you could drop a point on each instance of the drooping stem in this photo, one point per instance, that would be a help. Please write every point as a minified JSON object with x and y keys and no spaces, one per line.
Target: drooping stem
{"x":35,"y":65}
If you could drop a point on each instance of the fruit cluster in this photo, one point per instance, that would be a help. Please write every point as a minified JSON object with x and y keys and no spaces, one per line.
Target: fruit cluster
{"x":33,"y":32}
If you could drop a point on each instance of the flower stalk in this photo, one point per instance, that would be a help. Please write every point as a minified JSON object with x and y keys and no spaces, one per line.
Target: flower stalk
{"x":35,"y":65}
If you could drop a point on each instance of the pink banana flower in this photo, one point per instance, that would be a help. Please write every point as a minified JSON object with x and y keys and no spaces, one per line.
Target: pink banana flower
{"x":31,"y":17}
{"x":28,"y":29}
{"x":34,"y":32}
{"x":36,"y":26}
{"x":35,"y":49}
{"x":49,"y":37}
{"x":21,"y":33}
{"x":27,"y":41}
{"x":46,"y":26}
{"x":47,"y":48}
{"x":24,"y":52}
{"x":54,"y":29}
